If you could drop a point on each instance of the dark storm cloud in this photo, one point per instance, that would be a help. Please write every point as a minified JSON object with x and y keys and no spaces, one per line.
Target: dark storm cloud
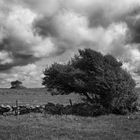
{"x":17,"y":53}
{"x":134,"y":26}
{"x":44,"y":26}
{"x":18,"y":60}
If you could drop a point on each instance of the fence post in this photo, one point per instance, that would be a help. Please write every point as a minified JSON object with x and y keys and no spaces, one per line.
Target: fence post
{"x":70,"y":102}
{"x":16,"y":109}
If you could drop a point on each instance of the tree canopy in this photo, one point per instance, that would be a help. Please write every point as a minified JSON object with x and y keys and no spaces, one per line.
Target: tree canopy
{"x":16,"y":84}
{"x":97,"y":78}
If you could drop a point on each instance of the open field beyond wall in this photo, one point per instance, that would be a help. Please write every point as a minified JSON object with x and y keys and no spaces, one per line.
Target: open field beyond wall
{"x":33,"y":97}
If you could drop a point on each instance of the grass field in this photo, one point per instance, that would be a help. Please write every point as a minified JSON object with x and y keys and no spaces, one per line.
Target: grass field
{"x":40,"y":127}
{"x":33,"y":97}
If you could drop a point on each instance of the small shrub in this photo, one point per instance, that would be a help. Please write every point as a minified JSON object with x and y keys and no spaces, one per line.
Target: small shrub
{"x":80,"y":109}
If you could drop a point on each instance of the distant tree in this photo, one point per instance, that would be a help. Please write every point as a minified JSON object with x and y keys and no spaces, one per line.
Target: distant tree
{"x":96,"y":78}
{"x":16,"y":84}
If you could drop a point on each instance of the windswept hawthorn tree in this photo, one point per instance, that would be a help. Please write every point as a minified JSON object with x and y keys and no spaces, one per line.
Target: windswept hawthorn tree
{"x":96,"y":78}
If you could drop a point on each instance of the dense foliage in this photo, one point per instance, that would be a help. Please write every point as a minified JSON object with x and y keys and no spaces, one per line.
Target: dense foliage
{"x":99,"y":80}
{"x":16,"y":84}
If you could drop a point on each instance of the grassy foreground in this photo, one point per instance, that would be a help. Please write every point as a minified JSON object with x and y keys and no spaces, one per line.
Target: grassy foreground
{"x":39,"y":127}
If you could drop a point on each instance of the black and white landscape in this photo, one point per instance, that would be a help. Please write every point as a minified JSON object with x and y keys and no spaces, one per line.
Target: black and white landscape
{"x":69,"y":69}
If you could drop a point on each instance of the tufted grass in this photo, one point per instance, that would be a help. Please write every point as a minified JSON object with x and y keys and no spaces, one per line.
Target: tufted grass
{"x":40,"y":127}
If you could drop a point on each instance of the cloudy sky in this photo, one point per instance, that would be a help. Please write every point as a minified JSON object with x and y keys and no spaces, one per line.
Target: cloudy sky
{"x":36,"y":33}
